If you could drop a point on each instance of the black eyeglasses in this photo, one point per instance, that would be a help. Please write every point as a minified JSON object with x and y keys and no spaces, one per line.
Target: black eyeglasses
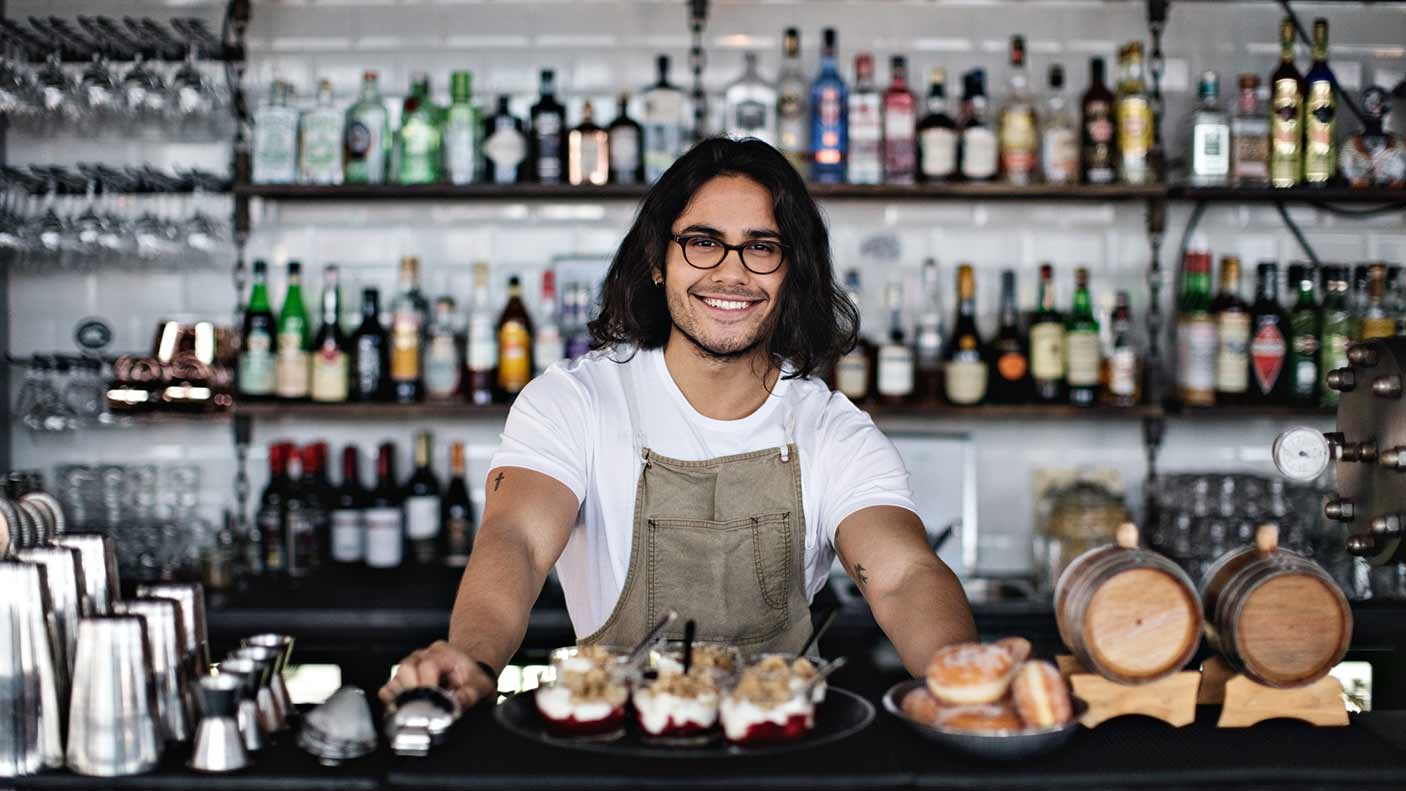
{"x":759,"y":256}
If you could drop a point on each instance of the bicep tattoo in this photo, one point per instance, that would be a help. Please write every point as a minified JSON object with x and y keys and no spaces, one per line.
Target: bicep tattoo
{"x":497,"y":481}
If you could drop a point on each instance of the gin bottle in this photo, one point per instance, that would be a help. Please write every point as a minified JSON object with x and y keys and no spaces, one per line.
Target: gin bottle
{"x":461,"y":131}
{"x":1210,"y":136}
{"x":751,"y":104}
{"x":320,"y":133}
{"x":791,"y":105}
{"x":419,"y":143}
{"x":367,"y":137}
{"x":276,"y":138}
{"x":663,"y":123}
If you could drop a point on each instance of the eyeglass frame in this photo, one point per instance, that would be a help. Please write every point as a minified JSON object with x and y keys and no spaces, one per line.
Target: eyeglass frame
{"x":682,"y":241}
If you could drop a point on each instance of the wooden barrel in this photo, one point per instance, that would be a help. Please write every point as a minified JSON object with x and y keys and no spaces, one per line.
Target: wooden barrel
{"x":1275,"y":615}
{"x":1128,"y":614}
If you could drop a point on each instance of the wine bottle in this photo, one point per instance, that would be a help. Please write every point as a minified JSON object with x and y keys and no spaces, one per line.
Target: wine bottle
{"x":256,"y":359}
{"x":626,"y":155}
{"x":547,"y":344}
{"x":329,"y":356}
{"x":385,"y":536}
{"x":1122,"y":379}
{"x":269,"y":521}
{"x":371,"y":353}
{"x":965,"y":363}
{"x":457,"y":511}
{"x":422,"y":512}
{"x":1085,"y":364}
{"x":1010,"y":353}
{"x":1047,"y":341}
{"x":1232,"y":318}
{"x":299,"y":526}
{"x":348,"y":543}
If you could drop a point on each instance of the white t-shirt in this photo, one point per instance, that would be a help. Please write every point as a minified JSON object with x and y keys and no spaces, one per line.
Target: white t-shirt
{"x":572,"y":424}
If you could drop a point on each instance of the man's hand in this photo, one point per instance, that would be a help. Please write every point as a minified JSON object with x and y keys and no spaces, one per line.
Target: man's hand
{"x":442,"y":665}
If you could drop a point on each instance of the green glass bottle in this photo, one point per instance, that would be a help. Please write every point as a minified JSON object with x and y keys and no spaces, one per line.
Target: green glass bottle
{"x":1084,"y":363}
{"x":291,"y":370}
{"x":461,"y":131}
{"x":419,"y":143}
{"x":1304,"y":338}
{"x":256,"y":356}
{"x":1336,"y":329}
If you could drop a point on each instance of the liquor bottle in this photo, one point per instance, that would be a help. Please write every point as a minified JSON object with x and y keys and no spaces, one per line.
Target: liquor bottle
{"x":1374,"y":156}
{"x":1134,"y":119}
{"x":323,"y":500}
{"x":964,"y":363}
{"x":1010,"y":383}
{"x":1098,"y":130}
{"x":294,"y":339}
{"x":937,"y":134}
{"x":1047,"y":343}
{"x":256,"y":341}
{"x":444,"y":362}
{"x":320,"y":140}
{"x":481,"y":354}
{"x":1376,"y":321}
{"x":587,"y":151}
{"x":853,"y":368}
{"x":979,"y":158}
{"x":1304,"y":337}
{"x":547,"y":344}
{"x":865,"y":163}
{"x":1320,"y":154}
{"x":1018,"y":134}
{"x":664,"y":133}
{"x":301,"y":513}
{"x":1357,"y":298}
{"x":1122,"y":369}
{"x":269,"y":520}
{"x":457,"y":513}
{"x":626,"y":155}
{"x":1249,"y":135}
{"x":1084,"y":366}
{"x":1196,"y":329}
{"x":462,"y":128}
{"x":384,"y":515}
{"x":419,"y":144}
{"x":749,"y":103}
{"x":548,"y":130}
{"x":1335,"y":322}
{"x":366,"y":144}
{"x":895,"y":369}
{"x":900,"y":126}
{"x":407,"y":326}
{"x":1232,"y":318}
{"x":330,"y":365}
{"x":422,"y":506}
{"x":829,"y":117}
{"x":791,"y":105}
{"x":1269,"y":344}
{"x":371,"y":350}
{"x":348,"y":544}
{"x":276,"y":138}
{"x":504,"y":147}
{"x":1210,"y":136}
{"x":1059,"y":134}
{"x":578,"y":334}
{"x":1286,"y":114}
{"x":514,"y":344}
{"x":927,"y":342}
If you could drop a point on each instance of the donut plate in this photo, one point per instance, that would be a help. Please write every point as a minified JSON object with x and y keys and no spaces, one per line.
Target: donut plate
{"x":994,"y":747}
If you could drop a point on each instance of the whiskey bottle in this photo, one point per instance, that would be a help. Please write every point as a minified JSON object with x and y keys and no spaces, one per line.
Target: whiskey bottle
{"x":1059,"y":134}
{"x":1304,"y":337}
{"x":1084,"y":367}
{"x":294,"y":336}
{"x":276,"y":138}
{"x":937,"y":134}
{"x":1286,"y":114}
{"x":1018,"y":132}
{"x":1196,"y":330}
{"x":366,"y":145}
{"x":444,"y":362}
{"x":626,"y":154}
{"x":791,"y":105}
{"x":1098,"y":130}
{"x":514,"y":344}
{"x":1232,"y":318}
{"x":256,"y":346}
{"x":330,"y":367}
{"x":481,"y":355}
{"x":895,"y":374}
{"x":504,"y":147}
{"x":979,"y":153}
{"x":1134,"y":119}
{"x":1210,"y":136}
{"x":548,"y":131}
{"x":1122,"y":377}
{"x":829,"y":123}
{"x":462,"y":129}
{"x":1047,"y":343}
{"x":749,"y":104}
{"x":1010,"y":382}
{"x":320,"y":140}
{"x":587,"y":151}
{"x":866,"y":133}
{"x":419,"y":142}
{"x":1320,"y":154}
{"x":900,"y":126}
{"x":852,"y":370}
{"x":407,"y":326}
{"x":422,"y":506}
{"x":965,"y":362}
{"x":1269,"y":340}
{"x":1249,"y":135}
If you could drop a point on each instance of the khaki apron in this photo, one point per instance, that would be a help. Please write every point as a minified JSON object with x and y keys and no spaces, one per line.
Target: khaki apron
{"x":720,"y":541}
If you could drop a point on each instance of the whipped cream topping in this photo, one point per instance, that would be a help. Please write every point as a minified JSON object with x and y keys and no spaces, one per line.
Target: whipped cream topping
{"x":558,"y":703}
{"x":662,"y":710}
{"x":739,"y":715}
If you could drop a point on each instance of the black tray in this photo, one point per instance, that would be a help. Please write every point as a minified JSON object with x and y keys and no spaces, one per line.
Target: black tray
{"x":842,"y":715}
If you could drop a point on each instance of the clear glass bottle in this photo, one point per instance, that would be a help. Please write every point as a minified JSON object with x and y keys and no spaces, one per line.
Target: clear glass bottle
{"x":1209,"y":159}
{"x":1249,"y":135}
{"x":276,"y":138}
{"x":978,"y":146}
{"x":366,"y":143}
{"x":462,"y":128}
{"x":750,"y":104}
{"x":547,"y":344}
{"x":865,"y":164}
{"x":419,"y":142}
{"x":407,"y":334}
{"x":829,"y":117}
{"x":481,"y":353}
{"x":1059,"y":134}
{"x":587,"y":151}
{"x":928,"y":337}
{"x":791,"y":104}
{"x":937,"y":134}
{"x":900,"y":126}
{"x":895,"y":369}
{"x":1122,"y":378}
{"x":443,"y":363}
{"x":1134,"y":119}
{"x":1320,"y":154}
{"x":320,"y":140}
{"x":1017,"y":128}
{"x":663,"y":122}
{"x":852,"y":370}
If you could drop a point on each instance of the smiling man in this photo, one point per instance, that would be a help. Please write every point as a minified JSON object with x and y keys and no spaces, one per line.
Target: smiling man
{"x":695,"y":461}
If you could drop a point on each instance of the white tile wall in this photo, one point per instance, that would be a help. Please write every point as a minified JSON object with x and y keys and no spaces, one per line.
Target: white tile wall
{"x":600,"y":47}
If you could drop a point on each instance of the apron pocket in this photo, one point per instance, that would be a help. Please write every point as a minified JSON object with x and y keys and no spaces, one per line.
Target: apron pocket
{"x":732,"y":578}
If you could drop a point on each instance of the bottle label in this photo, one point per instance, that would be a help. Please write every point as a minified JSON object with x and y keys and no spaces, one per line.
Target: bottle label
{"x":1060,"y":154}
{"x":624,"y":150}
{"x":1099,"y":130}
{"x":1047,"y":350}
{"x":895,"y":371}
{"x":348,"y":536}
{"x":1378,"y":328}
{"x":1123,"y":372}
{"x":979,"y":153}
{"x":928,"y":346}
{"x":514,"y":356}
{"x":547,"y":130}
{"x":852,"y":375}
{"x":865,"y":139}
{"x":329,"y":374}
{"x":899,"y":123}
{"x":1267,"y":352}
{"x":1196,"y":358}
{"x":1320,"y":121}
{"x":271,"y":535}
{"x":422,"y":517}
{"x":1250,"y":162}
{"x":1233,"y":352}
{"x":460,"y":138}
{"x":749,"y":119}
{"x":1134,"y":136}
{"x":1210,"y":150}
{"x":590,"y":165}
{"x":1284,"y":133}
{"x":275,"y":146}
{"x":1018,"y":144}
{"x":791,"y":124}
{"x":939,"y":152}
{"x":1333,"y":351}
{"x":256,"y":365}
{"x":292,"y":373}
{"x":506,"y":149}
{"x":966,"y":381}
{"x":357,"y":140}
{"x":405,"y":346}
{"x":1084,"y":358}
{"x":441,"y":366}
{"x":483,"y":347}
{"x":1012,"y":366}
{"x":322,"y":148}
{"x":384,"y":539}
{"x":302,"y":542}
{"x":368,"y":365}
{"x":419,"y":151}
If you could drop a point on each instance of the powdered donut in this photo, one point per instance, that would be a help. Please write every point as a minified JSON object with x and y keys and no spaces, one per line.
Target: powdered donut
{"x":997,"y":718}
{"x":1040,"y":695}
{"x":970,"y":673}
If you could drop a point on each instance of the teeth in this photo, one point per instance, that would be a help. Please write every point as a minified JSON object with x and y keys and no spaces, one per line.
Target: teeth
{"x":726,"y":304}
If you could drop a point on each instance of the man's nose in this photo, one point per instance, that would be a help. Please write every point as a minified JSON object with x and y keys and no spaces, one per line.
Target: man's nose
{"x":731,"y":269}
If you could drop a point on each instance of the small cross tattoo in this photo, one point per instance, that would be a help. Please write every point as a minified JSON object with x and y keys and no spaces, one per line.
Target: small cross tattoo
{"x":497,"y":481}
{"x":859,"y":572}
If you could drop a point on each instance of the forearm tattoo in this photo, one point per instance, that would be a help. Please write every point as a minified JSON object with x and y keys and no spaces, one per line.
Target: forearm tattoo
{"x":860,"y":576}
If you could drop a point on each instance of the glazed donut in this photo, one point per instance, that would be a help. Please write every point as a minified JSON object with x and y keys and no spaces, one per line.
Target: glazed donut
{"x":997,"y":718}
{"x":920,"y":705}
{"x":970,"y":673}
{"x":1018,"y":647}
{"x":1040,"y":695}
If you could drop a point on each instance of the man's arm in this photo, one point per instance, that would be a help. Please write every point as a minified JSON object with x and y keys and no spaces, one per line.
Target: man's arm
{"x":915,"y":597}
{"x":527,"y":518}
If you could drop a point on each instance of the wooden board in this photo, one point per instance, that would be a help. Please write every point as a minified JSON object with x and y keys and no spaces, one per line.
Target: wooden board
{"x":1171,"y":699}
{"x":1246,"y":702}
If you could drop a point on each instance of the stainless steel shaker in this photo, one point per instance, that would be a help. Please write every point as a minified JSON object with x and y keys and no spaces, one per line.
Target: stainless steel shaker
{"x":270,"y":712}
{"x":219,"y":745}
{"x":192,"y":598}
{"x":63,"y":576}
{"x":166,"y":643}
{"x":31,"y":710}
{"x":283,"y":644}
{"x":99,"y":561}
{"x":114,"y":729}
{"x":246,"y":713}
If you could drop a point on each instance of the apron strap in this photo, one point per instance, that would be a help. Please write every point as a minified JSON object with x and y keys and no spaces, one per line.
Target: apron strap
{"x":627,"y":382}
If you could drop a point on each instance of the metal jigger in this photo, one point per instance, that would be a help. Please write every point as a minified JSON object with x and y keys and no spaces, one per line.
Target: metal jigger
{"x":99,"y":561}
{"x":270,"y":712}
{"x":283,"y":644}
{"x":219,"y":744}
{"x":31,"y":733}
{"x":166,"y":642}
{"x":114,"y":729}
{"x":246,"y":713}
{"x":192,"y":598}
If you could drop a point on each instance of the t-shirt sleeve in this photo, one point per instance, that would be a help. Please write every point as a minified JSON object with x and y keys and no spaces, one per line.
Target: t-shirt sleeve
{"x":546,"y":431}
{"x":859,"y":467}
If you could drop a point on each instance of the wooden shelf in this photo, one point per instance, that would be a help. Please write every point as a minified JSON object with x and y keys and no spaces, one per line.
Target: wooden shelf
{"x":1274,"y":412}
{"x":1380,"y":196}
{"x":1010,"y":412}
{"x":306,"y":410}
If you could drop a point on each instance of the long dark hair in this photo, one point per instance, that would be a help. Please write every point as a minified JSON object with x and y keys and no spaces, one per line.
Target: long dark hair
{"x":815,"y":321}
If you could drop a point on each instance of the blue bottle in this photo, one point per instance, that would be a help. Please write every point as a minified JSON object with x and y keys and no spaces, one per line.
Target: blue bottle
{"x":829,"y":118}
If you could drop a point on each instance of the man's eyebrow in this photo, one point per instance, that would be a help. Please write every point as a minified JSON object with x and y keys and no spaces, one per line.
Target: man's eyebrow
{"x":750,"y":233}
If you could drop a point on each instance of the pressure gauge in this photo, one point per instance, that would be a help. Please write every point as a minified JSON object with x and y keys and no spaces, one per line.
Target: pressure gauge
{"x":1301,"y":454}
